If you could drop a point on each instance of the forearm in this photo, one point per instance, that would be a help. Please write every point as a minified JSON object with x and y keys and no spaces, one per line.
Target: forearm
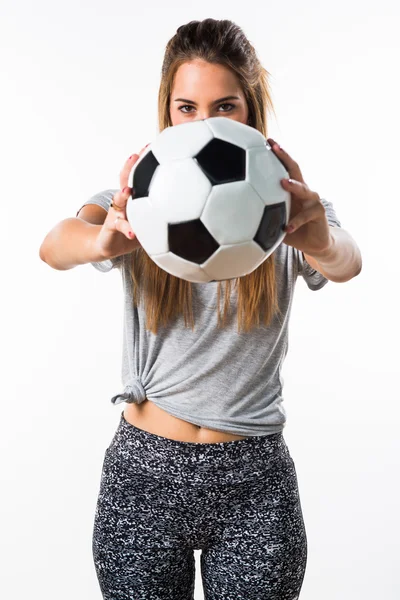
{"x":342,"y":261}
{"x":70,"y":243}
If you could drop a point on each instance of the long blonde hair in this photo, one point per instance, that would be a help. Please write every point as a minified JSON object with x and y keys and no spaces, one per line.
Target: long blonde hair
{"x":166,"y":296}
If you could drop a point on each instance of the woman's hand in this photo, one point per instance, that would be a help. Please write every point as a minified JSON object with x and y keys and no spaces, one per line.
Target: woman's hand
{"x":116,"y":236}
{"x":310,"y":233}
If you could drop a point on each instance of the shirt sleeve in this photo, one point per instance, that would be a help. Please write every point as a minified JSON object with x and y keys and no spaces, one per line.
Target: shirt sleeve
{"x":104,"y":200}
{"x":314,"y":279}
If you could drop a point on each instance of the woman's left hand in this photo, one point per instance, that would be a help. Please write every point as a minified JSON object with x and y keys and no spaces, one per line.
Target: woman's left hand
{"x":311,"y":233}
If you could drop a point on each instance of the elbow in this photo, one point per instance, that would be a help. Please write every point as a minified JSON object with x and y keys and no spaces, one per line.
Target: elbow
{"x":41,"y":253}
{"x":359,"y":269}
{"x":348,"y":278}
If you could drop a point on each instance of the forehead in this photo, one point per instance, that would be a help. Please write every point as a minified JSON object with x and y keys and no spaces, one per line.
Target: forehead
{"x":198,"y":77}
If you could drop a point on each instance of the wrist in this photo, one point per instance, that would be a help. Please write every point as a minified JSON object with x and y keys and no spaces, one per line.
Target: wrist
{"x":325,"y":255}
{"x":93,"y":249}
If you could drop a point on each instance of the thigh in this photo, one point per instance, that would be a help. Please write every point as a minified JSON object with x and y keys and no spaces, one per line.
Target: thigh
{"x":138,"y":549}
{"x":260,"y":551}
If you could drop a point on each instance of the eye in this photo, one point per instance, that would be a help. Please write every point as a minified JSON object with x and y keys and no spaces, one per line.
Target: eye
{"x":228,"y":104}
{"x":232,"y":106}
{"x":184,"y":106}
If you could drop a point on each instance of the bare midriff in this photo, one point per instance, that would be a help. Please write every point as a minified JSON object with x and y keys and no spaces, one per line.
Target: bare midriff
{"x":153,"y":419}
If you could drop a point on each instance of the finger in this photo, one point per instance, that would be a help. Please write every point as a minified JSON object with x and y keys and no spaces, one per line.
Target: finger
{"x":312,"y":208}
{"x":143,"y":149}
{"x":300,"y":189}
{"x":126,"y":169}
{"x":124,"y":227}
{"x":119,"y":201}
{"x":290,"y":165}
{"x":117,"y":218}
{"x":124,"y":174}
{"x":302,"y":218}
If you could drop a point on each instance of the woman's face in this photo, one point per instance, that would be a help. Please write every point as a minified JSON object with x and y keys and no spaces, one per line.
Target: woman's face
{"x":198,"y":89}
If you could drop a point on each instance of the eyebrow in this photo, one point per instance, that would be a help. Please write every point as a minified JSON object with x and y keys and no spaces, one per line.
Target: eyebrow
{"x":215,"y":101}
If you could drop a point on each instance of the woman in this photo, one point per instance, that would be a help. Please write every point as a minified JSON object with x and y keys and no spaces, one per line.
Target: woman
{"x":198,"y":460}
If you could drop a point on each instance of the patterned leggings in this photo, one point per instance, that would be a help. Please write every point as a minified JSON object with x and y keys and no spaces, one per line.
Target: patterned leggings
{"x":237,"y":501}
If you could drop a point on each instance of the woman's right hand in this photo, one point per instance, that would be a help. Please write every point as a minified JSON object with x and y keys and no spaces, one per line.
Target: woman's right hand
{"x":113,"y":239}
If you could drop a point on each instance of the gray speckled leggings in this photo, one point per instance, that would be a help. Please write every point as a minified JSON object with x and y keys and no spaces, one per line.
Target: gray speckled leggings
{"x":160,"y":499}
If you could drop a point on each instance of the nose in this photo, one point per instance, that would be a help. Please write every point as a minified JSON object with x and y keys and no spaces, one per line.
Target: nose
{"x":206,"y":114}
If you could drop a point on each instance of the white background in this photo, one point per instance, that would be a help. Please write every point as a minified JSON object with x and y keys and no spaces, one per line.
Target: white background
{"x":79,"y":95}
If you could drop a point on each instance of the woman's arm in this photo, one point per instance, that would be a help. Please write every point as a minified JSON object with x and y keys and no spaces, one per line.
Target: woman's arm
{"x":70,"y":243}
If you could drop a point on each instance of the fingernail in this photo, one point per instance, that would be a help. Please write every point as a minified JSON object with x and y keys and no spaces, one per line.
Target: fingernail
{"x":125,"y":190}
{"x":274,"y":144}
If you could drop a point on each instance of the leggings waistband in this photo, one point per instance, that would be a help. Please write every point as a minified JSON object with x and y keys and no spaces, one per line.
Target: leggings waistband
{"x":163,"y":457}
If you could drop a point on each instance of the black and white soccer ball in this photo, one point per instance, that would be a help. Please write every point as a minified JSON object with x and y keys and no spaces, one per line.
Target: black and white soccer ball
{"x":208,"y":204}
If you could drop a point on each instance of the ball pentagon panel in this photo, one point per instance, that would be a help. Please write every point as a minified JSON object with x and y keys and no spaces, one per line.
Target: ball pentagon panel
{"x":235,"y":133}
{"x":231,"y":168}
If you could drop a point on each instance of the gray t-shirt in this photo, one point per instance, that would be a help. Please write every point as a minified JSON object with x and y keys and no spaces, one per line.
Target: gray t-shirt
{"x":215,"y":378}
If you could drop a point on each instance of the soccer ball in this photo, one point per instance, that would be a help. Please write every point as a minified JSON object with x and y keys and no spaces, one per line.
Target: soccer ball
{"x":208,"y":204}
